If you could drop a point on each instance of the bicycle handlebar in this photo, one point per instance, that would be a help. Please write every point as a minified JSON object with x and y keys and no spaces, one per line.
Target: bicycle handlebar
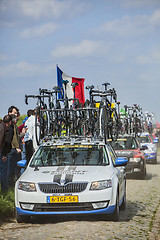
{"x":89,"y":87}
{"x":34,"y":96}
{"x":56,"y":90}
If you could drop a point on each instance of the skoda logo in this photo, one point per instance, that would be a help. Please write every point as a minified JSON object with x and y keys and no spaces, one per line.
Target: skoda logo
{"x":62,"y":182}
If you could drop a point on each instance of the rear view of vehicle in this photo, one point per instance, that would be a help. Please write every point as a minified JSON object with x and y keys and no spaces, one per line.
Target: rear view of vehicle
{"x":151,"y":148}
{"x":128,"y":146}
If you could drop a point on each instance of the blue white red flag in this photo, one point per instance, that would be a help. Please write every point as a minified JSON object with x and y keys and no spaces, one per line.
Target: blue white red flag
{"x":79,"y":90}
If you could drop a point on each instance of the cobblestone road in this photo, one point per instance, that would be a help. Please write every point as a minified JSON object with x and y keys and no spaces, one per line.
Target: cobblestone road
{"x":141,"y":220}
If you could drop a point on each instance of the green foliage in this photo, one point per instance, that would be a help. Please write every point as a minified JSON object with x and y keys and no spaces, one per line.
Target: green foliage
{"x":22,"y":117}
{"x":7,"y":204}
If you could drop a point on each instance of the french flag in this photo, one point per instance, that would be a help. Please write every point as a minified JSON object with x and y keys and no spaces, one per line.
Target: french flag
{"x":79,"y":90}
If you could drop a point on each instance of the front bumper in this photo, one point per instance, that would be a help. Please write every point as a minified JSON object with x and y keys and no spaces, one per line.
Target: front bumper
{"x":86,"y":200}
{"x":107,"y":210}
{"x":150,"y":157}
{"x":134,"y":168}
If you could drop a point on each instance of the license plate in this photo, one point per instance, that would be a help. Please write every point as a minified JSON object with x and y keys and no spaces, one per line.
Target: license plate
{"x":62,"y":199}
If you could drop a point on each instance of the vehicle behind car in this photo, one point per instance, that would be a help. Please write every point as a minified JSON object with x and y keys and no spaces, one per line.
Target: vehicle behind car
{"x":146,"y":139}
{"x":127,"y":146}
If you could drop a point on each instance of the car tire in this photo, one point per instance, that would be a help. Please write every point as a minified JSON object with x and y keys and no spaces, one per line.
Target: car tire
{"x":155,"y":160}
{"x":123,"y":205}
{"x":22,"y":219}
{"x":115,"y":214}
{"x":143,"y":174}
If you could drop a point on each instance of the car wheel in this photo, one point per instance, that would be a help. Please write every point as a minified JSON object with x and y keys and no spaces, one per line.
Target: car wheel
{"x":115,"y":215}
{"x":22,"y":219}
{"x":155,"y":160}
{"x":143,"y":174}
{"x":123,"y":205}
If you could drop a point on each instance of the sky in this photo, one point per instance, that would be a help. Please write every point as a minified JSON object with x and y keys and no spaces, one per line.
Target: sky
{"x":115,"y":41}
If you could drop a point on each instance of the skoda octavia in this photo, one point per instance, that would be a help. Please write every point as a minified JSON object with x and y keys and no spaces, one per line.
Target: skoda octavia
{"x":71,"y":177}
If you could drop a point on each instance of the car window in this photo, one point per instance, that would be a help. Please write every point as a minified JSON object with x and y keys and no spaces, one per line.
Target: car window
{"x":124,"y":144}
{"x":144,"y":139}
{"x":70,"y":155}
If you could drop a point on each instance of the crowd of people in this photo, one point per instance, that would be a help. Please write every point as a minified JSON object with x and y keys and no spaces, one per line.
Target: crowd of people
{"x":16,"y":143}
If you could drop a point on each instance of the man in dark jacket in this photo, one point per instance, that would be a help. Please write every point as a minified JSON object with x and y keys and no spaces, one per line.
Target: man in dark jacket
{"x":14,"y":155}
{"x":5,"y":148}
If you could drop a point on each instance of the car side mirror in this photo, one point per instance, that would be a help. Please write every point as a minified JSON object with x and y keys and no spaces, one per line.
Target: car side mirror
{"x":121,"y":162}
{"x":22,"y":163}
{"x":144,"y":147}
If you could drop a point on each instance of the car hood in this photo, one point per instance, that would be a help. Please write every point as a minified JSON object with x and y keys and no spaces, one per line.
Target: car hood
{"x":149,"y":145}
{"x":67,"y":174}
{"x":126,"y":153}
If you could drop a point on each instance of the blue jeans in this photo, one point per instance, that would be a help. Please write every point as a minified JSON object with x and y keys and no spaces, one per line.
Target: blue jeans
{"x":3,"y":174}
{"x":23,"y":153}
{"x":13,"y":169}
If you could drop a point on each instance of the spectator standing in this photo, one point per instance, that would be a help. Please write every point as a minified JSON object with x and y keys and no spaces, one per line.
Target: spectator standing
{"x":5,"y":148}
{"x":30,"y":136}
{"x":14,"y":155}
{"x":22,"y":131}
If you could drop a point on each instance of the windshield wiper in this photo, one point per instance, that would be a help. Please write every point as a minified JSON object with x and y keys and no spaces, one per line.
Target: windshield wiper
{"x":103,"y":164}
{"x":36,"y":168}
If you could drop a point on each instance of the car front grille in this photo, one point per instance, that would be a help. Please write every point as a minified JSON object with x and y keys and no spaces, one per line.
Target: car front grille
{"x":68,"y":188}
{"x":62,"y":207}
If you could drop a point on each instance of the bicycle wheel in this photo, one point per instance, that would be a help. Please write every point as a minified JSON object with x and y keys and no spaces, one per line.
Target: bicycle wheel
{"x":45,"y":123}
{"x":114,"y":131}
{"x":103,"y":124}
{"x":41,"y":124}
{"x":37,"y":126}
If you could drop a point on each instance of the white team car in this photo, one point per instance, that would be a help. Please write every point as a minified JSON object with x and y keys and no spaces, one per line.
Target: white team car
{"x":150,"y":152}
{"x":71,"y":177}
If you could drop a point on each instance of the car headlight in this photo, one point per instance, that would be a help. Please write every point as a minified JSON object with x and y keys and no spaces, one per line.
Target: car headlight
{"x":99,"y":185}
{"x":27,"y":186}
{"x":135,"y":159}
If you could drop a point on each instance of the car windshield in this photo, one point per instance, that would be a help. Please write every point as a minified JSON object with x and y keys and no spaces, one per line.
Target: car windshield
{"x":70,"y":155}
{"x":144,"y":139}
{"x":124,"y":144}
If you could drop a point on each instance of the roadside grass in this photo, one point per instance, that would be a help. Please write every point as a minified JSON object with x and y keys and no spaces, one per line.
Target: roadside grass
{"x":7,"y":205}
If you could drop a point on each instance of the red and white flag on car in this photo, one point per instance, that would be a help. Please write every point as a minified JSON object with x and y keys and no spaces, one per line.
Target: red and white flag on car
{"x":79,"y":90}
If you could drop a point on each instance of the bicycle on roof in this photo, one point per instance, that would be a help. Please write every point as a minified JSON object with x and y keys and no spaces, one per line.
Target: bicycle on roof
{"x":66,"y":117}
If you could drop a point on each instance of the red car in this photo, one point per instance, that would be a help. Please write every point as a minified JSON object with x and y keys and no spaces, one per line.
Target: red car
{"x":128,"y":146}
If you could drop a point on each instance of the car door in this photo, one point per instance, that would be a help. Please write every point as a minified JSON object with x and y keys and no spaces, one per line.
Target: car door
{"x":120,"y":173}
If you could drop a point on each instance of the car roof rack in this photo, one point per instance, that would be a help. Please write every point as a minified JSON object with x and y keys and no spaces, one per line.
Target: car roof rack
{"x":51,"y":140}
